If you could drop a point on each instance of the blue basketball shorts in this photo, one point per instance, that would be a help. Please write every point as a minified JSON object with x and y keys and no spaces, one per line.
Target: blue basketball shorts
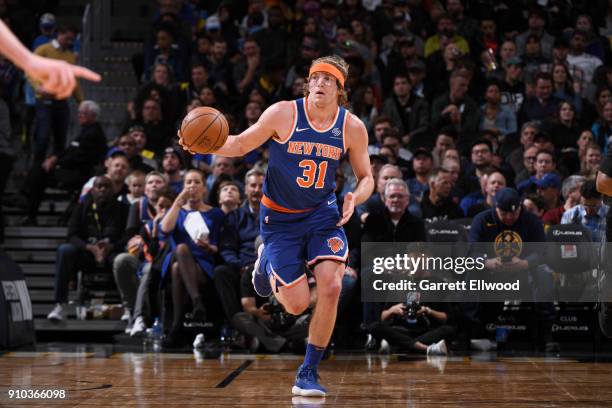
{"x":294,"y":241}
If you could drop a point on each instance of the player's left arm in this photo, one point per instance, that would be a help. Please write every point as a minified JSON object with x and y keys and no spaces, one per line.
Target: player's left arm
{"x":357,"y":145}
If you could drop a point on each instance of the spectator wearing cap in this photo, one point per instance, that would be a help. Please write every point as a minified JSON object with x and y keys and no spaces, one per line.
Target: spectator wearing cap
{"x":47,"y":30}
{"x":417,"y":72}
{"x":536,"y":23}
{"x":457,"y":109}
{"x":543,"y":105}
{"x":549,"y":188}
{"x":509,"y":215}
{"x":570,"y":191}
{"x":577,"y":56}
{"x":375,"y":203}
{"x":437,"y":203}
{"x":172,"y":164}
{"x":445,"y":27}
{"x":422,"y":164}
{"x":71,"y":167}
{"x":591,"y":212}
{"x":408,"y":113}
{"x":512,"y":86}
{"x":545,"y":163}
{"x":53,"y":115}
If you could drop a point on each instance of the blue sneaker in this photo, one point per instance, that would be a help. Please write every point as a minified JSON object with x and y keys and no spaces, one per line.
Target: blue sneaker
{"x":306,"y":383}
{"x":260,"y":279}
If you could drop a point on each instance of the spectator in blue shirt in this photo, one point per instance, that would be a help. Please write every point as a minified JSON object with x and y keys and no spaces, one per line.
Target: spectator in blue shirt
{"x":591,"y":212}
{"x":237,"y":244}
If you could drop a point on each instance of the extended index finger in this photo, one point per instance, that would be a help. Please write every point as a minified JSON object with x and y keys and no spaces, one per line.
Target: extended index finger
{"x":85,"y":73}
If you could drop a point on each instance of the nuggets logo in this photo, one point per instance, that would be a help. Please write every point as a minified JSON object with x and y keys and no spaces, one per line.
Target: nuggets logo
{"x":335,"y":244}
{"x":508,"y":244}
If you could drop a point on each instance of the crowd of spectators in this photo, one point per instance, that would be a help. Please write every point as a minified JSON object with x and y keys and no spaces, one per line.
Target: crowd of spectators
{"x":461,"y":99}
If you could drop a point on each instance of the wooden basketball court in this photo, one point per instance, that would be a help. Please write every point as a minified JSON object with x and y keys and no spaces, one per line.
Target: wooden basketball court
{"x":101,"y":378}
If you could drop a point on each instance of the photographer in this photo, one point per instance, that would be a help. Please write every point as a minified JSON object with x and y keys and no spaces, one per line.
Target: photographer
{"x":412,"y":326}
{"x":95,"y":235}
{"x":265,"y":321}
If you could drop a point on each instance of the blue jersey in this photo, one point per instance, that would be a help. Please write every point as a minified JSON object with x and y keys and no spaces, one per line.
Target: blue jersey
{"x":302,"y":169}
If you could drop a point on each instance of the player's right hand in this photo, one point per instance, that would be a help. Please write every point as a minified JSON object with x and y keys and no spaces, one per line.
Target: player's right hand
{"x":57,"y":77}
{"x":180,"y":142}
{"x":347,"y":209}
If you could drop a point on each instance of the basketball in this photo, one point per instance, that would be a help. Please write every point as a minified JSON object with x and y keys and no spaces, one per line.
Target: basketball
{"x":204,"y":130}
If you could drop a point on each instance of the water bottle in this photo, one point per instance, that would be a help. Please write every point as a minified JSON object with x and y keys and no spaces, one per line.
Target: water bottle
{"x":501,"y":336}
{"x":157,"y":333}
{"x":147,"y":340}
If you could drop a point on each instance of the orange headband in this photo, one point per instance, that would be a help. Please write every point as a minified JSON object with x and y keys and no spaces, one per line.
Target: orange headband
{"x":328,"y":68}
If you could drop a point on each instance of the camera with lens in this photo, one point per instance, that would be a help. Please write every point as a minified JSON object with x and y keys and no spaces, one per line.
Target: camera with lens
{"x":281,"y":320}
{"x":413,"y":303}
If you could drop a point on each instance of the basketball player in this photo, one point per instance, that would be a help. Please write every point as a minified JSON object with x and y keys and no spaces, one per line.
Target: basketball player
{"x":604,"y":186}
{"x":299,"y":219}
{"x":56,"y":77}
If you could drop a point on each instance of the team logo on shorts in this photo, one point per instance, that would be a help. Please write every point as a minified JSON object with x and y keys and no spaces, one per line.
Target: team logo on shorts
{"x":335,"y":244}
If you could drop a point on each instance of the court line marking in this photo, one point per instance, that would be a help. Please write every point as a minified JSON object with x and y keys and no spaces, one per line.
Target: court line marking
{"x":232,"y":376}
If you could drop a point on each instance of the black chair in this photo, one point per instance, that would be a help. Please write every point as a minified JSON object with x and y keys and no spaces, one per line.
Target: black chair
{"x":574,"y":258}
